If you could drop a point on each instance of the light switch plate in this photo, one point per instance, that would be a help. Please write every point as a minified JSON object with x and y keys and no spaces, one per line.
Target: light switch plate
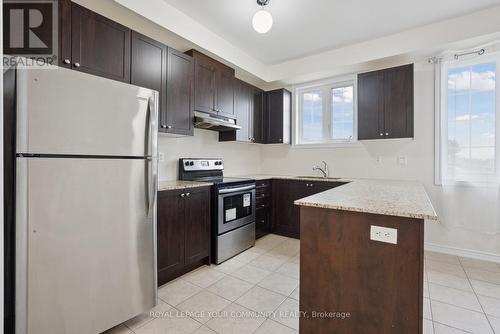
{"x":384,"y":234}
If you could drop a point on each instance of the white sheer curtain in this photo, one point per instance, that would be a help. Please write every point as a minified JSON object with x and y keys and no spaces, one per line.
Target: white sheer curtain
{"x":467,"y":104}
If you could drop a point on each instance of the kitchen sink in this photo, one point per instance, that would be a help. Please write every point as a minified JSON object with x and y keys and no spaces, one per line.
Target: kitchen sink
{"x":318,"y":177}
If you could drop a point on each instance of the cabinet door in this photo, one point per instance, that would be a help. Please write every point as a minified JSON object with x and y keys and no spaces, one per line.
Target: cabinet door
{"x":371,"y":105}
{"x":258,"y":116}
{"x":180,"y":93}
{"x":398,"y":101}
{"x":242,"y":103}
{"x":197,"y":224}
{"x":225,"y":92}
{"x":64,"y":12}
{"x":149,"y":69}
{"x":100,"y":46}
{"x":278,"y":115}
{"x":274,"y":109}
{"x":286,"y":220}
{"x":170,"y":235}
{"x":204,"y":85}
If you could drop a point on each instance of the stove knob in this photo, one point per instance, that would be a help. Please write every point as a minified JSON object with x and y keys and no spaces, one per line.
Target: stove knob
{"x":220,"y":163}
{"x":191,"y":163}
{"x":186,"y":163}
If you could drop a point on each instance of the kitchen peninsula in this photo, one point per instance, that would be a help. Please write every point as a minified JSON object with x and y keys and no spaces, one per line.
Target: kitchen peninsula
{"x":362,"y":254}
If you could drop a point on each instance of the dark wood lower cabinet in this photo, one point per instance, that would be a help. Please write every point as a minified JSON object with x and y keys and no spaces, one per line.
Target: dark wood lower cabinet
{"x":183,"y":231}
{"x":197,"y":225}
{"x":263,"y":208}
{"x":286,"y":215}
{"x":380,"y":285}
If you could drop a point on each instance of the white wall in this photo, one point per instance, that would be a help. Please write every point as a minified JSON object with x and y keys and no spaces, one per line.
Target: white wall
{"x":469,"y":217}
{"x":239,"y":158}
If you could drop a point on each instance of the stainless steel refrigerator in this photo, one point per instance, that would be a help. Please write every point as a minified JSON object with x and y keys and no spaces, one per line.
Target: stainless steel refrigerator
{"x":86,"y":180}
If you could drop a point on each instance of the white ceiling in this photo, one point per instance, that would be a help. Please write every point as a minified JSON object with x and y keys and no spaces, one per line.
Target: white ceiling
{"x":308,"y":27}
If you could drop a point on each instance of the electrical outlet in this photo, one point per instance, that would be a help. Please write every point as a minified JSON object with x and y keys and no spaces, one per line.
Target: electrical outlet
{"x":384,"y":234}
{"x":161,"y":157}
{"x":402,"y":160}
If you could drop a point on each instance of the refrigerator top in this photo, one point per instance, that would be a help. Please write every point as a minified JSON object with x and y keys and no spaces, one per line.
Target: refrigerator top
{"x":66,"y":112}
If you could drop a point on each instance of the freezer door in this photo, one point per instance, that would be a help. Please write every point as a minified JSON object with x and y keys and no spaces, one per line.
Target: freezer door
{"x":61,"y":111}
{"x":85,"y":243}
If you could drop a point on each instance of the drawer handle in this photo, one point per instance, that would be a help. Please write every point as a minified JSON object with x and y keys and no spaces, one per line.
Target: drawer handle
{"x":262,"y":221}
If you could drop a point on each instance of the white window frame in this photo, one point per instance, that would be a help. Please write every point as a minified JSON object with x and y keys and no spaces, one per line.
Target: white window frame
{"x":326,"y":87}
{"x":442,"y":121}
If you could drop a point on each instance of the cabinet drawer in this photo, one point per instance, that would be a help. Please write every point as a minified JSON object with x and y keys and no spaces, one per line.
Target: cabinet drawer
{"x":262,"y":204}
{"x":262,"y":184}
{"x":262,"y":195}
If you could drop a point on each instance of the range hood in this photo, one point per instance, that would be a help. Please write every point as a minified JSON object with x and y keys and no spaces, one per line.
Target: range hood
{"x":214,"y":122}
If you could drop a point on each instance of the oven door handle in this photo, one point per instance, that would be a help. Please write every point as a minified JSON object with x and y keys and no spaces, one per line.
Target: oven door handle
{"x":235,"y":190}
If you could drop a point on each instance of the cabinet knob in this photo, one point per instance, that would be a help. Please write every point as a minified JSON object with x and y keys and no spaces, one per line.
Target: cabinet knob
{"x":163,"y":126}
{"x":77,"y":65}
{"x":381,"y":134}
{"x":262,"y":221}
{"x":188,"y":194}
{"x":66,"y":61}
{"x":183,"y":195}
{"x":387,"y":133}
{"x":169,"y":126}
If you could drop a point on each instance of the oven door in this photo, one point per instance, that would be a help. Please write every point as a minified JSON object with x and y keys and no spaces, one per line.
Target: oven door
{"x":236,"y":207}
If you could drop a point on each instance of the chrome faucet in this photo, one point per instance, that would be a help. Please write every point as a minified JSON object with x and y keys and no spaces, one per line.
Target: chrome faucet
{"x":324,"y":170}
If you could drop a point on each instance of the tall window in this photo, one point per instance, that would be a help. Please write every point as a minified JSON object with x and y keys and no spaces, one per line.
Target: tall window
{"x":326,"y":113}
{"x":469,"y":121}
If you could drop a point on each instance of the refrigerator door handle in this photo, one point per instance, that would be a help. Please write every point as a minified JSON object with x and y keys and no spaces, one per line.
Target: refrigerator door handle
{"x":151,"y":147}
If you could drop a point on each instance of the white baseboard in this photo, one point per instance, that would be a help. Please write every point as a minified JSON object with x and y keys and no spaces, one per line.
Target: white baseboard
{"x":462,"y":252}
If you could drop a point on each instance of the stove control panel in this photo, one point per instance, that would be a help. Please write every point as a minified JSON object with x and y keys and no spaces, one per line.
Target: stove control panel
{"x":192,"y":165}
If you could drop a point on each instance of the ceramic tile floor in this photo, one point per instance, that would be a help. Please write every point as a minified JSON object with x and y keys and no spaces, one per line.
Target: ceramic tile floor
{"x":460,"y":295}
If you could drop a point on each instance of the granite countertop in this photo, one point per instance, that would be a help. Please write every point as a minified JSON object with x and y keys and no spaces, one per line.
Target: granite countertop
{"x":175,"y":184}
{"x":384,"y":197}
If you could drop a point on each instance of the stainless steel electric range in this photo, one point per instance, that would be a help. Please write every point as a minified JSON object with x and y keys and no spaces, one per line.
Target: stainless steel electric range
{"x":233,"y":206}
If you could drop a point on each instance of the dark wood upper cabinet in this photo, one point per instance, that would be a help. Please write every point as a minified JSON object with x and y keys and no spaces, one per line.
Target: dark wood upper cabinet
{"x":258,"y":115}
{"x":180,"y":98}
{"x":225,"y":92}
{"x":385,"y":103}
{"x":64,"y":16}
{"x":244,"y":113}
{"x":204,"y":84}
{"x":149,"y":69}
{"x":398,"y":100}
{"x":277,"y":116}
{"x":99,"y":45}
{"x":213,"y":85}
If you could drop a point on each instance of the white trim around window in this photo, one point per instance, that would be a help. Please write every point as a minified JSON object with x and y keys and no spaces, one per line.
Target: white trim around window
{"x":323,"y":90}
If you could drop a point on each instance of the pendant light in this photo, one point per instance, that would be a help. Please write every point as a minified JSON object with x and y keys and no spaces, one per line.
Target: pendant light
{"x":262,"y":20}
